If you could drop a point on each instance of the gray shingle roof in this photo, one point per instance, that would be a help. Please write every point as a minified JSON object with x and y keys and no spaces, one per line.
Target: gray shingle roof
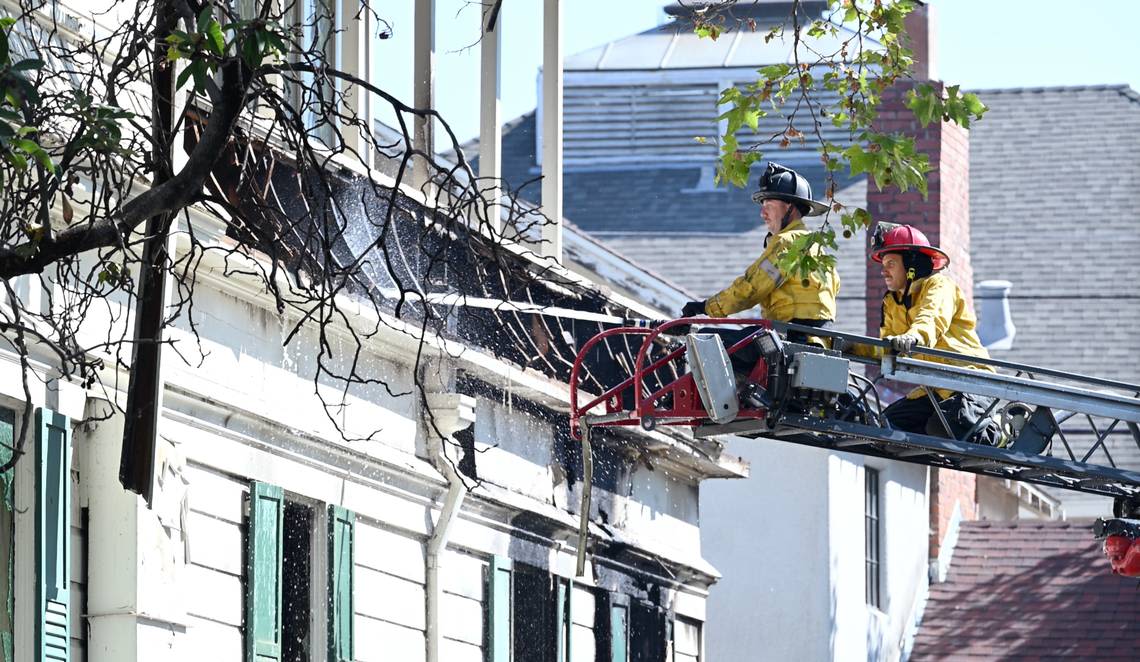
{"x":1055,"y":208}
{"x":643,"y":197}
{"x":1054,"y":187}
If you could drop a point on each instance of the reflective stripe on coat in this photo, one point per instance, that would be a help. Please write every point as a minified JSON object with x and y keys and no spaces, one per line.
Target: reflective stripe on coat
{"x":780,"y":297}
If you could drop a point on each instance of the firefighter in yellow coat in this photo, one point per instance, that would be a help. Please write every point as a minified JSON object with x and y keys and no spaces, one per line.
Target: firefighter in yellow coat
{"x":923,"y":307}
{"x":785,"y":199}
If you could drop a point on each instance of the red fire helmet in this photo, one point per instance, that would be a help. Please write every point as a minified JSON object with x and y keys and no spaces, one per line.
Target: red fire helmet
{"x":891,"y":238}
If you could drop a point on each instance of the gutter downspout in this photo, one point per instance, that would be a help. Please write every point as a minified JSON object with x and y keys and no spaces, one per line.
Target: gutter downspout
{"x":450,"y":413}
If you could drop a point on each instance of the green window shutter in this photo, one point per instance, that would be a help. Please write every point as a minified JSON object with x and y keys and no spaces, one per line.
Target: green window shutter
{"x":342,"y":525}
{"x":499,"y":610}
{"x":53,"y":536}
{"x":619,"y":632}
{"x":263,"y":573}
{"x":8,"y":534}
{"x":563,"y":602}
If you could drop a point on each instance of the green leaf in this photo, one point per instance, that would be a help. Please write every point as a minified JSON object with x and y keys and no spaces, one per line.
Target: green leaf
{"x":274,"y":41}
{"x":18,"y":161}
{"x":198,"y":70}
{"x":752,"y":119}
{"x":26,"y":145}
{"x":44,"y":159}
{"x":250,"y":52}
{"x":974,"y":105}
{"x":204,"y":17}
{"x":215,"y":39}
{"x":775,"y":71}
{"x":709,"y":31}
{"x":30,"y":63}
{"x":183,"y":77}
{"x":924,"y":104}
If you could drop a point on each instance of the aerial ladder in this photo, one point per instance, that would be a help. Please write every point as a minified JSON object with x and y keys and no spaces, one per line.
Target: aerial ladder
{"x":809,"y":394}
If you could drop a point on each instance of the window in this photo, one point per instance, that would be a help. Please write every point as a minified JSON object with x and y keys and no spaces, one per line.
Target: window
{"x":612,"y":626}
{"x":533,"y":616}
{"x":283,"y":553}
{"x":315,"y":19}
{"x":7,"y":524}
{"x":315,"y":38}
{"x":686,"y":640}
{"x":296,"y":581}
{"x":648,"y":632}
{"x":872,"y":530}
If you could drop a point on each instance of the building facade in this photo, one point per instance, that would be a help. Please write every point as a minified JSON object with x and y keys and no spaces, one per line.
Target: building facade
{"x":435,"y":517}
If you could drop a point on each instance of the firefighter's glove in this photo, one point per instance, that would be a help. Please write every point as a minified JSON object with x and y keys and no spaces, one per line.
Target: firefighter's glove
{"x":693,"y":308}
{"x":903,"y":344}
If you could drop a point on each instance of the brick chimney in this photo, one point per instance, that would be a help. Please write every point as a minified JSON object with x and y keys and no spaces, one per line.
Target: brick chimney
{"x":944,"y":216}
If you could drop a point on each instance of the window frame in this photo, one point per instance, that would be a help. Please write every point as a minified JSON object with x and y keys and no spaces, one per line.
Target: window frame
{"x":321,"y":546}
{"x":873,"y":537}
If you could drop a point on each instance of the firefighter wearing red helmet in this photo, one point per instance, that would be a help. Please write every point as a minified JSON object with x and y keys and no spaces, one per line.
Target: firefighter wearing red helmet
{"x":785,"y":199}
{"x":923,"y":307}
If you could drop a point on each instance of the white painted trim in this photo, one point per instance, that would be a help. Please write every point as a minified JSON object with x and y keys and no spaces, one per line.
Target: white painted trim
{"x":668,"y":50}
{"x":373,"y":487}
{"x":423,"y":130}
{"x":24,"y":591}
{"x":319,"y":581}
{"x":605,"y":53}
{"x":490,"y":121}
{"x":625,"y":77}
{"x":552,"y":129}
{"x":732,"y":49}
{"x":44,"y":385}
{"x":354,"y":28}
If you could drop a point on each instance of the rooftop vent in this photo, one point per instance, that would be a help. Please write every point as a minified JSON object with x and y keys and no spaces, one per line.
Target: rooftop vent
{"x":995,"y":324}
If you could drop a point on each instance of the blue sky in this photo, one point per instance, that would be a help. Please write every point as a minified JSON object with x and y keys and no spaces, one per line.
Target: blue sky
{"x":981,"y":44}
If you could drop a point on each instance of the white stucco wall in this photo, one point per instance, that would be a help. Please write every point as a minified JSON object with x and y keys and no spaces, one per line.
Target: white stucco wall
{"x":768,"y":537}
{"x":861,"y":632}
{"x":790,"y":544}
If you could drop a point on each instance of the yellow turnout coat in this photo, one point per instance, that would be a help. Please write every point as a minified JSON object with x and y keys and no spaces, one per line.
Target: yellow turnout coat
{"x":940,"y":317}
{"x":781,"y":297}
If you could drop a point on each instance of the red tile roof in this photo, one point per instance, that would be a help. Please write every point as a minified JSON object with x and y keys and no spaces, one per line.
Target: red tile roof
{"x":1030,"y":590}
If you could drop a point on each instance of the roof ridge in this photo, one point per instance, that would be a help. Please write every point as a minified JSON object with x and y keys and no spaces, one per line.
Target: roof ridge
{"x":1077,"y":523}
{"x":1124,"y":89}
